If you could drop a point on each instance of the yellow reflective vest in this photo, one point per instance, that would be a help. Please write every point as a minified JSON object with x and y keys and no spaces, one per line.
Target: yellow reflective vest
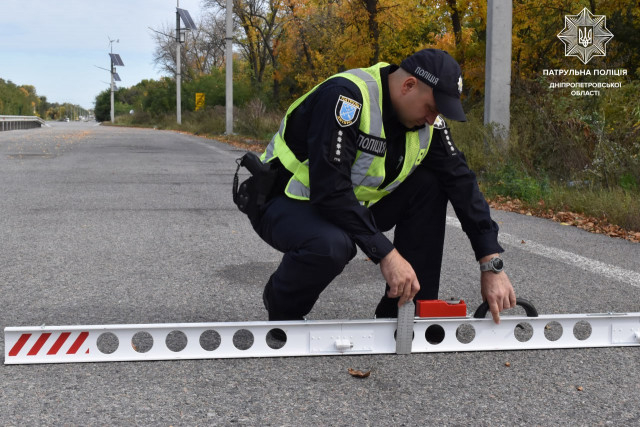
{"x":367,"y":170}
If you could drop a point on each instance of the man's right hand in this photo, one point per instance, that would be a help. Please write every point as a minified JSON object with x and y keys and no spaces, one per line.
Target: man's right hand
{"x":399,"y":276}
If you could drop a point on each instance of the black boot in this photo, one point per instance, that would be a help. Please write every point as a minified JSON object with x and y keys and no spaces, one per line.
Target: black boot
{"x":275,"y":334}
{"x":387,"y":308}
{"x":265,"y":296}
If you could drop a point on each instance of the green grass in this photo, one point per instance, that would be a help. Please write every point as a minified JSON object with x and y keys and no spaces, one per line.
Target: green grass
{"x":252,"y":121}
{"x":620,"y":207}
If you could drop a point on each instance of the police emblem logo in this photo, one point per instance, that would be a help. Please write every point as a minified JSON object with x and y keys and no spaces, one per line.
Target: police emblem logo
{"x":347,"y":111}
{"x":585,"y":35}
{"x":439,"y":123}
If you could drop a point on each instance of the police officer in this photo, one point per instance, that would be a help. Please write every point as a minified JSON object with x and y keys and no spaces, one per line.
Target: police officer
{"x":362,"y":152}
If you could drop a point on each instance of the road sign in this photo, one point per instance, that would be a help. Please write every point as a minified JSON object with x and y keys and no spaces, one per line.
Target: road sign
{"x":199,"y":101}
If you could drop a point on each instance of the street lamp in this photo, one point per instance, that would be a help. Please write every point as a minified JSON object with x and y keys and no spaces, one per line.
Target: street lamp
{"x":180,"y":38}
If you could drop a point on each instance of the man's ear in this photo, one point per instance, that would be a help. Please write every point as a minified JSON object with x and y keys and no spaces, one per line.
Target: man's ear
{"x":409,"y":84}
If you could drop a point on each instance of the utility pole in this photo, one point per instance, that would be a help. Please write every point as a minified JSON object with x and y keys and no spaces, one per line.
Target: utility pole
{"x":112,"y":81}
{"x":115,"y":60}
{"x":497,"y":89}
{"x":229,"y":71}
{"x":178,"y":68}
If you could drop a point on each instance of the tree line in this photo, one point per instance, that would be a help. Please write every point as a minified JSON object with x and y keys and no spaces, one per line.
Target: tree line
{"x":285,"y":47}
{"x":24,"y":101}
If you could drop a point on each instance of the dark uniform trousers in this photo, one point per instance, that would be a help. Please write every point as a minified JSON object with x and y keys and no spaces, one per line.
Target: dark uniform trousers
{"x":316,"y":250}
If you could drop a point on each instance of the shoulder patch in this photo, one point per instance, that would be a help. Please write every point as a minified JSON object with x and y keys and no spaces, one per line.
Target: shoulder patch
{"x":439,"y":123}
{"x":347,"y":111}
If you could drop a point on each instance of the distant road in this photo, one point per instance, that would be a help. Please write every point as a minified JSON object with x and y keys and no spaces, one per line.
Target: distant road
{"x":103,"y":225}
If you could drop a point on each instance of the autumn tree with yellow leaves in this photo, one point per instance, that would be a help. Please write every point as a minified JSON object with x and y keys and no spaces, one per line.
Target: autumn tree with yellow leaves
{"x":285,"y":47}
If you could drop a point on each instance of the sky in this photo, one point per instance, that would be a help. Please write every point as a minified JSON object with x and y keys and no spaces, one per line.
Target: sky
{"x":56,"y":45}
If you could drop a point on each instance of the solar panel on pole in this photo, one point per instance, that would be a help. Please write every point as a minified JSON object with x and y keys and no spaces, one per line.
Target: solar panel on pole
{"x":116,"y":77}
{"x":116,"y":60}
{"x":186,"y":19}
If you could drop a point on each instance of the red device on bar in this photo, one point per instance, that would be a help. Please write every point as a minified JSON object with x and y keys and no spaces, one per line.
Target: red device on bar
{"x":440,"y":308}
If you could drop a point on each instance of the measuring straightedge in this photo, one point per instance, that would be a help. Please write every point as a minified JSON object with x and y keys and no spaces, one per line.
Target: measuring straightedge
{"x":404,"y":330}
{"x":407,"y":334}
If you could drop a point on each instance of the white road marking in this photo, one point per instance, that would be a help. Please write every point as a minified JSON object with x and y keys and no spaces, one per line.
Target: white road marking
{"x":629,"y":277}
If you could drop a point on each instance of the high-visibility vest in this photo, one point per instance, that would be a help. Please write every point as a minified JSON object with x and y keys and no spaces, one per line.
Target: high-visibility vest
{"x":367,"y":170}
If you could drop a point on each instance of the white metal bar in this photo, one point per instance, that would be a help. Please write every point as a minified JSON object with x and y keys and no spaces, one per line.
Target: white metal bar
{"x":110,"y":343}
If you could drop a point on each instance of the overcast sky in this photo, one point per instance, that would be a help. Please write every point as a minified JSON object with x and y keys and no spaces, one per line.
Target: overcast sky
{"x":55,"y":45}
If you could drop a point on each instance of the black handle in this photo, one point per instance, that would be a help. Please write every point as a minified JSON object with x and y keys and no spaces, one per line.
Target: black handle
{"x":253,"y":163}
{"x":483,"y":308}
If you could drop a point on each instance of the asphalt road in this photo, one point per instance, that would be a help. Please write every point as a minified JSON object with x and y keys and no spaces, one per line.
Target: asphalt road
{"x":104,"y":225}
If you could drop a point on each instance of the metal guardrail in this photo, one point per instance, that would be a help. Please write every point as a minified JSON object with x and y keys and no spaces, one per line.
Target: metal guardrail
{"x":20,"y":122}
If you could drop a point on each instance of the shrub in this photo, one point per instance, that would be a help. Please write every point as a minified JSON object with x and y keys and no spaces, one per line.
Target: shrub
{"x":254,"y":120}
{"x":514,"y":182}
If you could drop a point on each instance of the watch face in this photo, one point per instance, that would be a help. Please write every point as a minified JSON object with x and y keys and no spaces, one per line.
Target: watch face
{"x":497,"y":264}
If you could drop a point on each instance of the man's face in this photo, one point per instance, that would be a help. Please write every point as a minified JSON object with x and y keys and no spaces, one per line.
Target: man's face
{"x":417,"y":105}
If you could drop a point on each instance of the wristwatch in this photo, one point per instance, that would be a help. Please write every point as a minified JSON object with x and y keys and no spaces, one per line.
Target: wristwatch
{"x":495,"y":264}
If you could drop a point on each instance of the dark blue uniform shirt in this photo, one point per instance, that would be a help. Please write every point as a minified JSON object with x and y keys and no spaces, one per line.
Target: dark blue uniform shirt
{"x":314,"y":132}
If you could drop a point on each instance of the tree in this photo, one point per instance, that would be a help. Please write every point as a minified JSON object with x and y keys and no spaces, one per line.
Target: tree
{"x":202,"y":51}
{"x":261,"y":22}
{"x":102,"y":109}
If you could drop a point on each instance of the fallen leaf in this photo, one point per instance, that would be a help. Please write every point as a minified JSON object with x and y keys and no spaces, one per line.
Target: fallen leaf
{"x":579,"y":388}
{"x":591,"y":224}
{"x":359,"y":374}
{"x":523,"y":242}
{"x":507,"y":364}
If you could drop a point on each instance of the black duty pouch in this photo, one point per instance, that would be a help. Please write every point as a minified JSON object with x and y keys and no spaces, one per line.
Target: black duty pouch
{"x":254,"y":192}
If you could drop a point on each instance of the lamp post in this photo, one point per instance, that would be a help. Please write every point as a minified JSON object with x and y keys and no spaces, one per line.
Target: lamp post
{"x":181,"y":14}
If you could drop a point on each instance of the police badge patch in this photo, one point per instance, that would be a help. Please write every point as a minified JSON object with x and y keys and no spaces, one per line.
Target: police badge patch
{"x":439,"y":123}
{"x":347,"y":111}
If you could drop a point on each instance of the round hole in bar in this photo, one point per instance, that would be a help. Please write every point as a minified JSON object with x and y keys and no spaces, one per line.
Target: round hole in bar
{"x":582,"y":330}
{"x":434,"y":334}
{"x":465,"y":333}
{"x":142,"y":342}
{"x":243,"y":339}
{"x":176,"y":341}
{"x":553,"y":331}
{"x":107,"y":342}
{"x":210,"y":340}
{"x":276,"y":338}
{"x":523,"y":331}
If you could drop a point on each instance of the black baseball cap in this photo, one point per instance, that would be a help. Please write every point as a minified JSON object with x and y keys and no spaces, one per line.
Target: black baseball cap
{"x":439,"y":70}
